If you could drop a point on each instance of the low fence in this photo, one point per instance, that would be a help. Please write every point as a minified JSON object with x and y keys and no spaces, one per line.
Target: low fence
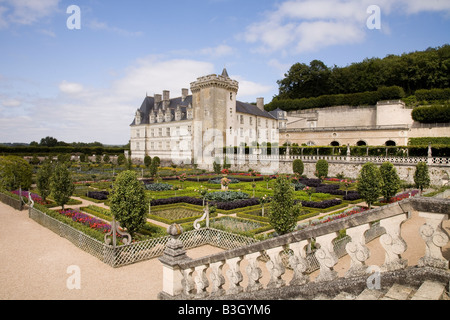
{"x":12,"y":202}
{"x":138,"y":251}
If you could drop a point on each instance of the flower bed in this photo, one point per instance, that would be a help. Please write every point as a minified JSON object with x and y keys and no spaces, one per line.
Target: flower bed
{"x":401,"y":196}
{"x":86,"y":220}
{"x":322,"y":204}
{"x":35,"y":197}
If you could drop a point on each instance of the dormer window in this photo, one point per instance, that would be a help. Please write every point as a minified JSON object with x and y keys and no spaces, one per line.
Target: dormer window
{"x":138,"y":117}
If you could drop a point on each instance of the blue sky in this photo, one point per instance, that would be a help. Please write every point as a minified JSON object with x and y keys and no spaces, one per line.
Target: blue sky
{"x":85,"y":85}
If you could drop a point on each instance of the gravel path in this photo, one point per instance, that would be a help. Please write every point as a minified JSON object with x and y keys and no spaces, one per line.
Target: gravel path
{"x":35,"y":263}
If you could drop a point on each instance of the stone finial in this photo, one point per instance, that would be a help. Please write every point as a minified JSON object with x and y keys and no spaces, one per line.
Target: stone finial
{"x":174,"y":251}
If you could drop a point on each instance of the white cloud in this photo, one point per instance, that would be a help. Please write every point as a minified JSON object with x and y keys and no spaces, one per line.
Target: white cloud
{"x":218,"y":51}
{"x":11,"y":102}
{"x":297,"y":26}
{"x":26,"y":12}
{"x":84,"y":113}
{"x":70,"y":87}
{"x":97,"y":25}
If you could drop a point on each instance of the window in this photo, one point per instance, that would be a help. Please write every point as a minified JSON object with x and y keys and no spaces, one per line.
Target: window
{"x":361,"y":143}
{"x":251,"y":120}
{"x":168,"y":132}
{"x":160,"y":132}
{"x":241,"y":121}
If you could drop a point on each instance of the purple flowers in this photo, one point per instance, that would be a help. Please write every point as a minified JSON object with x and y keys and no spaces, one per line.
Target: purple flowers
{"x":86,"y":220}
{"x":35,"y":197}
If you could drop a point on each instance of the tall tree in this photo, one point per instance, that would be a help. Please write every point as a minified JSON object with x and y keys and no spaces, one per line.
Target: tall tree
{"x":391,"y":180}
{"x":369,"y":183}
{"x":43,"y":179}
{"x":128,"y":204}
{"x":422,"y":176}
{"x":62,"y":186}
{"x":15,"y":173}
{"x":283,"y":210}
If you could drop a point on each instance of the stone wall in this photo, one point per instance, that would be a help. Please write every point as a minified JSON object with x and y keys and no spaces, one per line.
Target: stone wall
{"x":439,"y":173}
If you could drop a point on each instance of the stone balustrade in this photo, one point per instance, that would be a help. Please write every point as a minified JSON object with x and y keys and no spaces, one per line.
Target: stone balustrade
{"x":185,"y":278}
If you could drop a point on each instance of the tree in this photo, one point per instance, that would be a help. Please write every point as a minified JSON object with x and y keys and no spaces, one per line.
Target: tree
{"x":321,"y":169}
{"x":61,"y":184}
{"x":154,"y":166}
{"x":43,"y":179}
{"x":391,"y":180}
{"x":49,"y":142}
{"x":283,"y":210}
{"x":15,"y":173}
{"x":421,"y":176}
{"x":127,"y":201}
{"x":298,"y":167}
{"x":147,"y":161}
{"x":369,"y":183}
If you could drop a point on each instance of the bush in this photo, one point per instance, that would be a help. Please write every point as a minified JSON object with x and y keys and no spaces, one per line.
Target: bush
{"x":321,"y":169}
{"x":431,"y":114}
{"x":98,"y":195}
{"x":322,"y":204}
{"x":298,"y":166}
{"x":433,"y":94}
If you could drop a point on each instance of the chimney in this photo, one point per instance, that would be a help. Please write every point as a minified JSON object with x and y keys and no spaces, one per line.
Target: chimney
{"x":157,"y":99}
{"x":260,"y":103}
{"x":166,"y":99}
{"x":184,"y":94}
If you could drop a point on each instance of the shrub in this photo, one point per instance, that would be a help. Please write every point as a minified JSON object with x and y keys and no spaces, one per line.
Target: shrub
{"x":298,"y":166}
{"x":321,"y":169}
{"x":431,"y":114}
{"x":322,"y":204}
{"x":98,"y":195}
{"x":433,"y":94}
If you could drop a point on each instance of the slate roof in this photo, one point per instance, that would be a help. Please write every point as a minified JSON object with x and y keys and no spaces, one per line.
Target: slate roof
{"x":148,"y":106}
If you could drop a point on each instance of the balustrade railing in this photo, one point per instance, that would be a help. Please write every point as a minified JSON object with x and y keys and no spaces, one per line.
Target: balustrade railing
{"x":205,"y":277}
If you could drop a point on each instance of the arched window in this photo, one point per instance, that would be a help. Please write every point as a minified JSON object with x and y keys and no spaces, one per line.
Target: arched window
{"x":390,"y":143}
{"x":361,"y":143}
{"x":310,"y":143}
{"x":335,"y":144}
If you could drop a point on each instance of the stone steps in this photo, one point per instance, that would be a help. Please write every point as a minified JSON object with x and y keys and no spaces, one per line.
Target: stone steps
{"x":429,"y":290}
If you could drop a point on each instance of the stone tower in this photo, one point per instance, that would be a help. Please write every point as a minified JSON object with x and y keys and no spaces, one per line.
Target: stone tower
{"x":214,"y":104}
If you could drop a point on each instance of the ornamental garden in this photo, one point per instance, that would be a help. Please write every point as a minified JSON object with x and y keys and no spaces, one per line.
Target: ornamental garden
{"x":146,"y":199}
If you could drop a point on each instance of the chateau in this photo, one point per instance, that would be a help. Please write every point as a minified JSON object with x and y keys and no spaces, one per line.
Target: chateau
{"x":195,"y":129}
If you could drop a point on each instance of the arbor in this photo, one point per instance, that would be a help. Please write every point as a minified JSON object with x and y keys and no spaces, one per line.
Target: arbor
{"x":61,"y":184}
{"x":391,"y":180}
{"x":127,"y":201}
{"x":43,"y":179}
{"x":15,"y":173}
{"x":283,"y":210}
{"x":421,"y":176}
{"x":369,"y":183}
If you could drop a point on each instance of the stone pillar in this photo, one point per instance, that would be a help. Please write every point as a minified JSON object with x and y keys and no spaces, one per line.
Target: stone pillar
{"x":174,"y":253}
{"x":435,"y":238}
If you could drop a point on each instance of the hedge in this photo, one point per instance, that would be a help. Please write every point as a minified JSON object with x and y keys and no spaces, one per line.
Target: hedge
{"x":44,"y":150}
{"x":431,"y":114}
{"x":433,"y":94}
{"x":351,"y":99}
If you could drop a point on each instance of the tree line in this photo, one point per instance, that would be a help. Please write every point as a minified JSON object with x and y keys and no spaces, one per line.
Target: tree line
{"x":428,"y":69}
